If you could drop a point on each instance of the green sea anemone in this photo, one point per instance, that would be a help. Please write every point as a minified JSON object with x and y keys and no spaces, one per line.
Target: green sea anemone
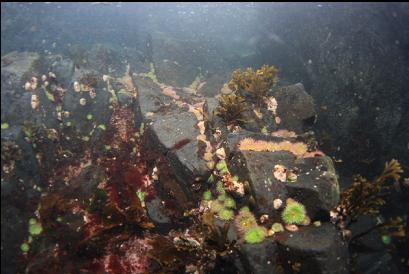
{"x":229,"y":202}
{"x":216,"y":207}
{"x":294,"y":213}
{"x":277,"y":227}
{"x":221,"y":166}
{"x":25,"y":247}
{"x":245,"y":220}
{"x":220,"y":188}
{"x":255,"y":235}
{"x":221,"y":197}
{"x":35,"y":229}
{"x":226,"y":214}
{"x":207,"y":195}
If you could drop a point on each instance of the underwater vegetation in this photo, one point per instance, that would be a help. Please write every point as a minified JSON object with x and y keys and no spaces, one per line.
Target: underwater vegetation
{"x":365,"y":197}
{"x":247,"y":86}
{"x":255,"y":83}
{"x":231,"y":108}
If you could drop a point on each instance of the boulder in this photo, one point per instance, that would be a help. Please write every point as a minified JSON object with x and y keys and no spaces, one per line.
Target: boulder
{"x":316,"y":185}
{"x":313,"y":250}
{"x":174,"y":134}
{"x":16,"y":69}
{"x":295,"y":108}
{"x":259,"y":258}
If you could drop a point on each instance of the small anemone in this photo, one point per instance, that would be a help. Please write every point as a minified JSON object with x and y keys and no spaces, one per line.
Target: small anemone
{"x":229,"y":202}
{"x":207,"y":195}
{"x":226,"y":214}
{"x":255,"y":235}
{"x":294,"y":213}
{"x":216,"y":207}
{"x":245,"y":220}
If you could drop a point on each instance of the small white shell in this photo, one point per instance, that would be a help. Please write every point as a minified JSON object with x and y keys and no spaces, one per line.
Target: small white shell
{"x":27,"y":86}
{"x":77,"y":86}
{"x":83,"y":102}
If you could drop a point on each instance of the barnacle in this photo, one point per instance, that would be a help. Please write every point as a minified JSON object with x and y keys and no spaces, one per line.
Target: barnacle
{"x":231,"y":108}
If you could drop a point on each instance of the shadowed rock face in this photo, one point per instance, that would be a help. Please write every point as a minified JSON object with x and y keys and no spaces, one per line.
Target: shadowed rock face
{"x":313,"y":250}
{"x":295,"y":107}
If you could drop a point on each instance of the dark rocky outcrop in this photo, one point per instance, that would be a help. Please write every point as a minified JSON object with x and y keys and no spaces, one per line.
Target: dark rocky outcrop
{"x":313,"y":250}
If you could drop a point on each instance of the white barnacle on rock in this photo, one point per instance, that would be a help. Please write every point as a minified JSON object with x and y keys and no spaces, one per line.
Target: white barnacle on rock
{"x":52,"y":75}
{"x":34,"y":82}
{"x":27,"y":86}
{"x":277,"y":203}
{"x":44,"y":77}
{"x":77,"y":86}
{"x":83,"y":101}
{"x":221,"y":154}
{"x":105,"y":77}
{"x":35,"y":101}
{"x":280,"y":173}
{"x":92,"y":93}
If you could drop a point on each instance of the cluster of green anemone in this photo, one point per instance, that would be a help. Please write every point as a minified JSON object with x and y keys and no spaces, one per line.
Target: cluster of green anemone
{"x":223,"y":206}
{"x":247,"y":226}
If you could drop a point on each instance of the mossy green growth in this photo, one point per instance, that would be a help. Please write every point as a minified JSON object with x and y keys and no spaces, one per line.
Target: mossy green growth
{"x":207,"y":195}
{"x":255,"y":235}
{"x":4,"y":126}
{"x":226,"y":214}
{"x":49,"y":95}
{"x":102,"y":126}
{"x":32,"y":221}
{"x":89,"y":116}
{"x":151,"y":73}
{"x":294,"y":213}
{"x":25,"y":247}
{"x":210,"y":179}
{"x":386,"y":239}
{"x":35,"y":229}
{"x":142,"y":129}
{"x":264,"y":130}
{"x":141,"y":196}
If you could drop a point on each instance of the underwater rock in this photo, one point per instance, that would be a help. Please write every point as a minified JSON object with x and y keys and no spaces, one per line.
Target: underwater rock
{"x":174,"y":134}
{"x":63,"y":68}
{"x":313,"y":250}
{"x":296,"y":108}
{"x":156,"y":212}
{"x":176,"y":61}
{"x":150,"y":98}
{"x":259,"y":258}
{"x":316,"y":186}
{"x":16,"y":69}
